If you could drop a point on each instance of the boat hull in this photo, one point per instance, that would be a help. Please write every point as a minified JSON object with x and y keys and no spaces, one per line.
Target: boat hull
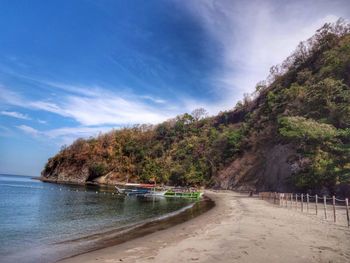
{"x":194,"y":195}
{"x":132,"y":192}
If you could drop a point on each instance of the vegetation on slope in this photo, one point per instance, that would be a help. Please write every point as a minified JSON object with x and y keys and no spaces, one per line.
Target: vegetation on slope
{"x":182,"y":151}
{"x":304,"y":104}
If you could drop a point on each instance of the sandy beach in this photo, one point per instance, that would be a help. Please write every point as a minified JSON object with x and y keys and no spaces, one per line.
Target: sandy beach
{"x":237,"y":229}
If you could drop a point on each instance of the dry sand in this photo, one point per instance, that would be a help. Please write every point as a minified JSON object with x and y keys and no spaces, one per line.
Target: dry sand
{"x":237,"y":229}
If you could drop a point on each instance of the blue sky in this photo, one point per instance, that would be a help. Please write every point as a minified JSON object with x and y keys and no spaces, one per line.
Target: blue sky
{"x":72,"y":69}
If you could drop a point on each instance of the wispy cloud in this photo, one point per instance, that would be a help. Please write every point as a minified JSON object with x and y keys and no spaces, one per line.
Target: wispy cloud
{"x":10,"y":97}
{"x":252,"y":36}
{"x":64,"y":135}
{"x":76,"y":131}
{"x":42,"y":121}
{"x":46,"y":106}
{"x":113,"y":110}
{"x":75,"y":89}
{"x":255,"y":35}
{"x":156,"y":100}
{"x":28,"y":130}
{"x":103,"y":108}
{"x":15,"y":114}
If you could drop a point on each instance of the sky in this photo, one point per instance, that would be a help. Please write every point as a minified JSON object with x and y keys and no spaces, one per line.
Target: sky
{"x":71,"y":69}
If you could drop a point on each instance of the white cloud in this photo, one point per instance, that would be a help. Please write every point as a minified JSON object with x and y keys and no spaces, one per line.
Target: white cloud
{"x":75,"y":89}
{"x":64,"y":135}
{"x":156,"y":100}
{"x":76,"y":131}
{"x":9,"y":97}
{"x":46,"y":106}
{"x":113,"y":110}
{"x":42,"y":121}
{"x":105,"y":108}
{"x":15,"y":114}
{"x":255,"y":35}
{"x":29,"y":130}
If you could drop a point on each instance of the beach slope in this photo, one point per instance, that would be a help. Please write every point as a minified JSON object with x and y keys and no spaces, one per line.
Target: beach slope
{"x":237,"y":229}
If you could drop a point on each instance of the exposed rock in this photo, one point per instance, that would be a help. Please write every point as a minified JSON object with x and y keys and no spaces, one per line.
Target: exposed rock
{"x":260,"y":169}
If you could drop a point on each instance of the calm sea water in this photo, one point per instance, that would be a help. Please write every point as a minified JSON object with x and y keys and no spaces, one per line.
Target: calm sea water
{"x":43,"y":222}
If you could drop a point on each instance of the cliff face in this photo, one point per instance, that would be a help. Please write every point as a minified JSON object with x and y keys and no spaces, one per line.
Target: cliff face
{"x":293,"y":133}
{"x":60,"y":173}
{"x":263,"y":169}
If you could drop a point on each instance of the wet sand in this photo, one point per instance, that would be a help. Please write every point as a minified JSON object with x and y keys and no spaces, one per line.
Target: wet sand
{"x":237,"y":229}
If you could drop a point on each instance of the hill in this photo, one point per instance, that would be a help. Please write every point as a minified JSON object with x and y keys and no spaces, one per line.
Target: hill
{"x":292,"y":133}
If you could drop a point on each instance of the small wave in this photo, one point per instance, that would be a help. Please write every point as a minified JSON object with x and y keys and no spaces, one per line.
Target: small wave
{"x":179,"y":211}
{"x":126,"y":228}
{"x":23,"y":186}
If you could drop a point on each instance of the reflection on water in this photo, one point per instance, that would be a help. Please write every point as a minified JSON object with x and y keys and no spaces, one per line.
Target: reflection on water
{"x":34,"y":215}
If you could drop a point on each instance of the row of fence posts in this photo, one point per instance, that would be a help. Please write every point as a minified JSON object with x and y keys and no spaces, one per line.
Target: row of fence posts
{"x":283,"y":199}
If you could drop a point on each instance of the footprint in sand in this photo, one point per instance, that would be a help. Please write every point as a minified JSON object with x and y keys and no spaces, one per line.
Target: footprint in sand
{"x":243,"y":247}
{"x":136,"y":249}
{"x":191,"y":249}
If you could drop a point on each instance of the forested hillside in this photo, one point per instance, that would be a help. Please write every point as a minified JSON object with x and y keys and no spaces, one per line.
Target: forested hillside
{"x":292,"y":133}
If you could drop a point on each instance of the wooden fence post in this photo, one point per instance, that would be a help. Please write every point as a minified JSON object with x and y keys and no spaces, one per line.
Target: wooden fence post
{"x":276,"y":195}
{"x":347,"y":211}
{"x":291,"y":201}
{"x":334,"y":217}
{"x":316,"y":200}
{"x":302,"y":202}
{"x":280,"y":198}
{"x":296,"y":201}
{"x":275,"y":201}
{"x":307,"y":203}
{"x":325,"y":209}
{"x":285,"y":198}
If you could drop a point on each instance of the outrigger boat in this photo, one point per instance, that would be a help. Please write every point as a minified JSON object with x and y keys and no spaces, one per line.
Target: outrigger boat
{"x":129,"y":192}
{"x":134,"y":189}
{"x":183,"y":194}
{"x":156,"y":193}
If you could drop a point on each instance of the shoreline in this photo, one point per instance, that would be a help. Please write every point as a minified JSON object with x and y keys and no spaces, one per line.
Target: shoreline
{"x":128,"y":233}
{"x":238,"y":229}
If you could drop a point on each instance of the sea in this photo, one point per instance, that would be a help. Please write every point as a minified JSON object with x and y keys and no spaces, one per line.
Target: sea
{"x":46,"y":222}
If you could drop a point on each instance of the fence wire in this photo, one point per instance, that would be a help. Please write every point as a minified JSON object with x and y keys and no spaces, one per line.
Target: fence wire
{"x":331,"y":207}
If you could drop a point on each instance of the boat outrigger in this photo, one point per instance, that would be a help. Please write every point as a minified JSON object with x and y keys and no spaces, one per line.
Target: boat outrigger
{"x":195,"y":194}
{"x":183,"y":193}
{"x":134,"y":189}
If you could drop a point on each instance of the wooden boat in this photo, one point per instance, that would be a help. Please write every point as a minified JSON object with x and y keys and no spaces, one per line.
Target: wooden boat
{"x":156,"y":193}
{"x":147,"y":190}
{"x":183,"y":194}
{"x":132,"y":191}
